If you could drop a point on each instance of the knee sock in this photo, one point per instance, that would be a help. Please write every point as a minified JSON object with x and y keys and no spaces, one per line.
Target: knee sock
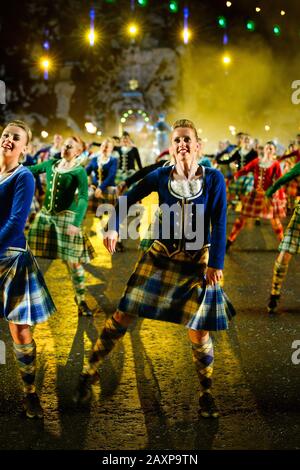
{"x":278,"y":230}
{"x":203,"y":357}
{"x":108,"y":338}
{"x":237,"y":227}
{"x":279,"y":273}
{"x":26,"y":360}
{"x":78,"y":279}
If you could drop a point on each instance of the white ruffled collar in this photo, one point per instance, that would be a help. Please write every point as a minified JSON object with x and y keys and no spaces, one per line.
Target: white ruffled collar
{"x":187,"y":189}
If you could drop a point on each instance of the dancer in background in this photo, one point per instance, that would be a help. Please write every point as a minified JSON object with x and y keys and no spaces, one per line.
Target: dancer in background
{"x":57,"y":229}
{"x":290,"y":245}
{"x":266,"y":171}
{"x":102,"y":170}
{"x":24,"y":297}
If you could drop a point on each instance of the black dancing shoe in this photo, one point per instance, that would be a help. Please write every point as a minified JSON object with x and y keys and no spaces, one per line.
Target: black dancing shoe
{"x":83,"y":392}
{"x":208,"y":408}
{"x":272,"y":305}
{"x":83,"y":309}
{"x":228,"y":245}
{"x":32,"y":406}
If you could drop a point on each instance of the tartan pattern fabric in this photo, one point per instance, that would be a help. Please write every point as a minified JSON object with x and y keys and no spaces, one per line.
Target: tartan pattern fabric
{"x":110,"y":196}
{"x":241,"y":186}
{"x":291,"y":239}
{"x":203,"y":358}
{"x":78,"y":279}
{"x":173,"y":289}
{"x":48,"y":238}
{"x":111,"y":333}
{"x":24,"y":297}
{"x":123,"y":175}
{"x":279,"y":273}
{"x":26,"y":360}
{"x":254,"y":205}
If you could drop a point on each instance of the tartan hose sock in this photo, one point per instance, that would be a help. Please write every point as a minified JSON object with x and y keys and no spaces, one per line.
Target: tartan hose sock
{"x":237,"y":227}
{"x":279,"y":273}
{"x":203,"y":358}
{"x":108,"y":338}
{"x":26,"y":360}
{"x":78,"y":280}
{"x":278,"y":230}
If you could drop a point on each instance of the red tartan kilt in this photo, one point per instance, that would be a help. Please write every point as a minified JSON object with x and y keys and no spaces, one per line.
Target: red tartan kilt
{"x":293,"y":188}
{"x":254,"y":205}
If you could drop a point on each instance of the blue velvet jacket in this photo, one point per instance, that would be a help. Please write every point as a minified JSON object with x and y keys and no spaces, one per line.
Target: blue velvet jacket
{"x":107,"y":172}
{"x":16,"y":193}
{"x":210,"y":203}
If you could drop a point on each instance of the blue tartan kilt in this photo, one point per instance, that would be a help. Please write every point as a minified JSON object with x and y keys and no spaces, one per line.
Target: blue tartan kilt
{"x":174,"y":289}
{"x":24,"y":296}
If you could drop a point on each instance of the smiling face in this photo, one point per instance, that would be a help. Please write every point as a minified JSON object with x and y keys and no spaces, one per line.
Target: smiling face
{"x":107,"y":148}
{"x":13,"y":143}
{"x":184,"y":144}
{"x":70,"y":149}
{"x":269,"y":151}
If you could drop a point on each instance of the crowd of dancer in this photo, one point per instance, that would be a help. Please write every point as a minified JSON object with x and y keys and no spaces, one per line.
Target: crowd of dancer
{"x":50,"y":191}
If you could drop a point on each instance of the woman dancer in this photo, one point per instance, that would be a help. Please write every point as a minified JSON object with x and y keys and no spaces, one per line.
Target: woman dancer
{"x":176,"y":281}
{"x":266,"y":171}
{"x":289,"y":246}
{"x":103,"y":168}
{"x":24,"y":297}
{"x":57,"y":229}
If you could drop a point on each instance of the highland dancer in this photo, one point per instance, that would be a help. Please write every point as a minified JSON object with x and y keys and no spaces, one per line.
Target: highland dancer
{"x":102,"y":170}
{"x":57,"y":229}
{"x":175,"y":280}
{"x":266,"y":171}
{"x":24,"y":297}
{"x":289,"y":246}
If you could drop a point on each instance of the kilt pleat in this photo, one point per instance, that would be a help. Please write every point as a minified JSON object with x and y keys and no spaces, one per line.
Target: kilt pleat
{"x":24,"y":296}
{"x":110,"y":196}
{"x":241,"y":186}
{"x":174,"y":289}
{"x":254,"y":204}
{"x":291,"y":238}
{"x":48,"y":238}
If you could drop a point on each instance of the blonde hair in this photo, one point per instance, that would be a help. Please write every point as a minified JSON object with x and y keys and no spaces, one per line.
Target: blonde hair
{"x":22,"y":125}
{"x":79,"y":141}
{"x":109,"y":140}
{"x":185,"y":123}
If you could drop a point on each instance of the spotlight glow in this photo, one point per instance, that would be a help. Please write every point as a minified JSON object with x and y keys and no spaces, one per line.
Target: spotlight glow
{"x":132,"y":30}
{"x":226,"y":59}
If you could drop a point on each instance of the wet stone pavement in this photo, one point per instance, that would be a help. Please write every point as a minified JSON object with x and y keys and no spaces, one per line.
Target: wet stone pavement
{"x":147,"y":394}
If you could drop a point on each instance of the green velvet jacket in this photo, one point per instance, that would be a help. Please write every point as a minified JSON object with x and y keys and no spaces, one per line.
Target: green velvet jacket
{"x":66,"y":189}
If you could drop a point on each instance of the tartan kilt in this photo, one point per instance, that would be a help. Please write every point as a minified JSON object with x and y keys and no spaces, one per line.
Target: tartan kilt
{"x":24,"y":296}
{"x":173,"y":289}
{"x":254,"y":204}
{"x":241,"y":186}
{"x":110,"y":196}
{"x":122,"y":176}
{"x":48,"y":238}
{"x":291,"y":238}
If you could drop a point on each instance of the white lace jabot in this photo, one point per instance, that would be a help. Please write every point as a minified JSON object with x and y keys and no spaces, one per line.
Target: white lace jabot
{"x":185,"y":188}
